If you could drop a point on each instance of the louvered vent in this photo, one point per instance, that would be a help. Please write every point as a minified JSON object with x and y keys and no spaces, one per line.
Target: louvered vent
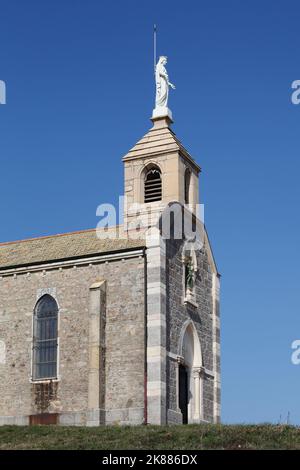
{"x":187,"y":181}
{"x":153,"y":185}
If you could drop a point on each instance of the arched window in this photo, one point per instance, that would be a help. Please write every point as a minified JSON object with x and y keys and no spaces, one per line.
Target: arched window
{"x":187,"y":181}
{"x":153,"y":191}
{"x":45,"y":338}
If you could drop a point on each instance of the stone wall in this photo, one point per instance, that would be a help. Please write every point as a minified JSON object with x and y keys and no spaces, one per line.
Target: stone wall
{"x":124,"y":343}
{"x":202,"y":316}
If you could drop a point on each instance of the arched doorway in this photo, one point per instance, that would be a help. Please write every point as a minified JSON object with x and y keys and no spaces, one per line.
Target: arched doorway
{"x":190,"y":375}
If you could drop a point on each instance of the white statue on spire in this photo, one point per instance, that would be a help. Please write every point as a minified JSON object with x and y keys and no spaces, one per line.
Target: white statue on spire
{"x":162,"y":88}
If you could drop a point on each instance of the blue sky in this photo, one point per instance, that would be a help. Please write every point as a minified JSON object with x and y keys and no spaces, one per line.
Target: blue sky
{"x":80,"y":92}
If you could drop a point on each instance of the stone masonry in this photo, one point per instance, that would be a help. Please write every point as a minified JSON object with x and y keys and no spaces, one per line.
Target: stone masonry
{"x":178,"y":314}
{"x":124,"y":343}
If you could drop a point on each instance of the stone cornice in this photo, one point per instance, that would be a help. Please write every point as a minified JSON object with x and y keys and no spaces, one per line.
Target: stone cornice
{"x":72,"y":263}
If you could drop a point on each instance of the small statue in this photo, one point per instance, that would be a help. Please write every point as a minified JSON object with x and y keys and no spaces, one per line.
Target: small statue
{"x":190,"y":274}
{"x":162,"y":84}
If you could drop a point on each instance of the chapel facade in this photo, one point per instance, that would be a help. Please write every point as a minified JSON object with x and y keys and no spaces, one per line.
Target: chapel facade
{"x":117,"y":325}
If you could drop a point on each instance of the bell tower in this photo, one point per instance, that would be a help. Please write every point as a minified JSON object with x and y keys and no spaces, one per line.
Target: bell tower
{"x":158,"y":171}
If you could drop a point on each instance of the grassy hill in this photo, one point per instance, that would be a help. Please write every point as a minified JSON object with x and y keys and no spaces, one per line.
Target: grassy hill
{"x":189,"y":437}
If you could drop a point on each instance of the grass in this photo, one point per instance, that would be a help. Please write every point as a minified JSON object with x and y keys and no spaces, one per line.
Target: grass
{"x":190,"y":437}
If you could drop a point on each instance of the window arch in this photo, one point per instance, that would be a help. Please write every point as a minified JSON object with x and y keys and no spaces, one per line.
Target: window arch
{"x":187,"y":183}
{"x":152,"y":185}
{"x":45,"y":335}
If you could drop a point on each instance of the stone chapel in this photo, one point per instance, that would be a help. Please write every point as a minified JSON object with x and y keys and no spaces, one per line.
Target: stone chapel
{"x":118,"y":325}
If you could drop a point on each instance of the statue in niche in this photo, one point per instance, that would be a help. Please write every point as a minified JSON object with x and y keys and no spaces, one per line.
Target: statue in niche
{"x":189,"y":260}
{"x":190,"y":275}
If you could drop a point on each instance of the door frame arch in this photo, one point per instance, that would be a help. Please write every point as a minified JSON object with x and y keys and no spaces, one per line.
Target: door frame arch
{"x":195,"y":370}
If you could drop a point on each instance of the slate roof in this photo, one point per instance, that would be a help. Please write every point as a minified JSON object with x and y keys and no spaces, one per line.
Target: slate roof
{"x":63,"y":246}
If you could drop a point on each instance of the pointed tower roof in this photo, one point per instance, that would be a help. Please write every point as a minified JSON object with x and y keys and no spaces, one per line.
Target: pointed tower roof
{"x":160,"y":139}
